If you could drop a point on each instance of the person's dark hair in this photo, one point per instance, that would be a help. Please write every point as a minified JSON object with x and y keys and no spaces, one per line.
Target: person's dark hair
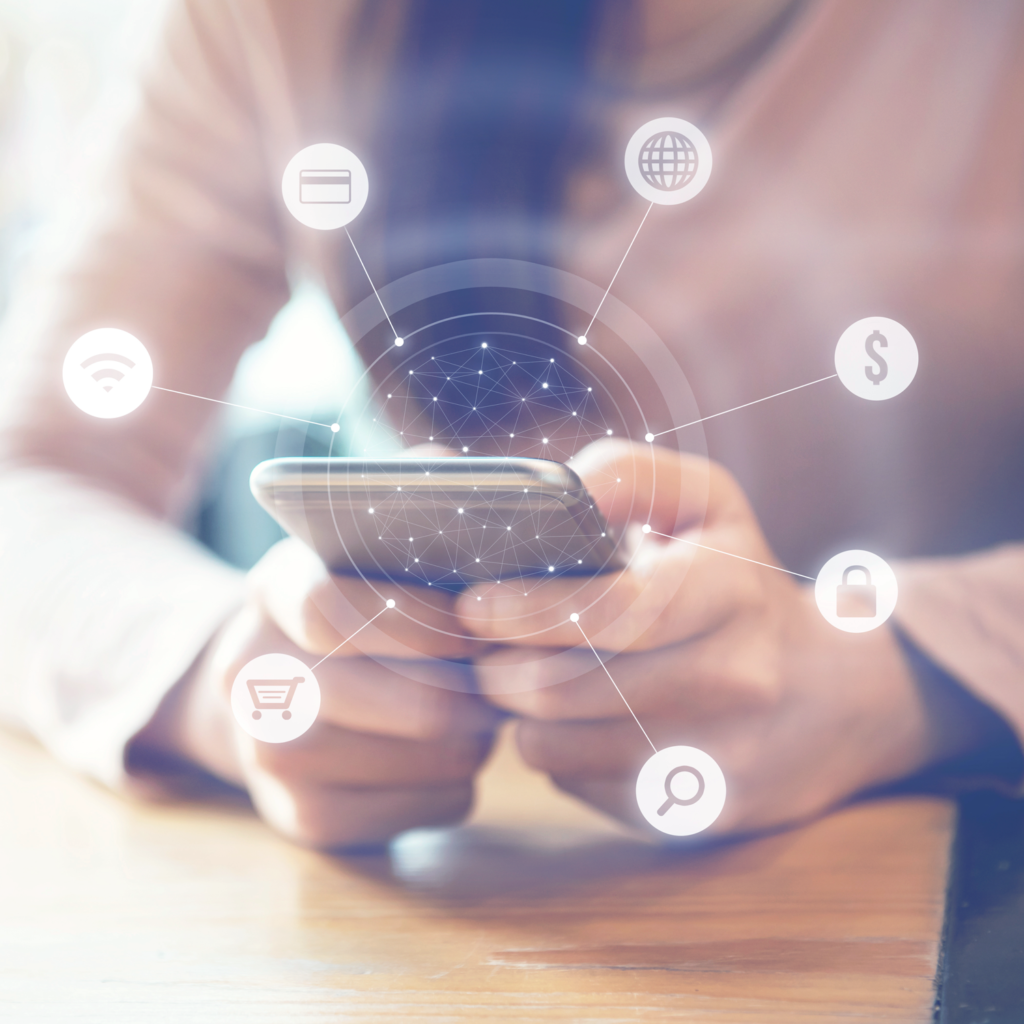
{"x":487,"y":108}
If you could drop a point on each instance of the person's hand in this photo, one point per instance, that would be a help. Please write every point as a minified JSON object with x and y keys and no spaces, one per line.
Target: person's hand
{"x":712,"y":651}
{"x":399,"y":735}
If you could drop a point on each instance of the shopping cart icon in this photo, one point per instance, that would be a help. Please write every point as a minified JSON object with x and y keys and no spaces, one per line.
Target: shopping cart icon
{"x":272,"y":695}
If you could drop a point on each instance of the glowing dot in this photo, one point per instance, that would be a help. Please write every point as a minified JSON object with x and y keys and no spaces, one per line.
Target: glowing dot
{"x":608,"y":432}
{"x":511,"y":435}
{"x":410,"y":373}
{"x":574,"y":617}
{"x":410,"y":540}
{"x":582,"y":339}
{"x":604,"y":535}
{"x":574,"y":412}
{"x":480,"y":373}
{"x":430,"y":438}
{"x":415,"y":559}
{"x":335,"y":427}
{"x":543,"y":440}
{"x":390,"y":602}
{"x":552,"y":360}
{"x":551,"y":568}
{"x":479,"y":598}
{"x":648,"y":437}
{"x":389,"y":396}
{"x":646,"y":528}
{"x":371,"y":511}
{"x":461,"y":511}
{"x":618,"y":479}
{"x":474,"y":408}
{"x":483,"y":344}
{"x":464,"y":448}
{"x":399,"y":342}
{"x":545,"y":384}
{"x":508,"y":527}
{"x":522,"y":399}
{"x":579,"y":561}
{"x":478,"y":559}
{"x":400,"y":489}
{"x":435,"y":398}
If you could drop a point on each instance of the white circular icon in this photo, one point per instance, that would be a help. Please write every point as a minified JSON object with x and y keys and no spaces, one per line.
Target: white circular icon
{"x":275,"y":698}
{"x":668,"y":160}
{"x":325,"y":186}
{"x":856,"y":591}
{"x":876,"y":358}
{"x":681,"y":790}
{"x":108,"y":373}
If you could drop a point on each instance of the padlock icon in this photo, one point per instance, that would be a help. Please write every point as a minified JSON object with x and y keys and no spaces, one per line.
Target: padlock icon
{"x":856,"y":600}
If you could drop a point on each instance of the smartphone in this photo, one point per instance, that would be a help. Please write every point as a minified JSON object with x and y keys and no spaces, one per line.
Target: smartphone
{"x":444,"y":522}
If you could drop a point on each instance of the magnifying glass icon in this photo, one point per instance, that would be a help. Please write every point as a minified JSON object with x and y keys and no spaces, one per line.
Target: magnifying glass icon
{"x":672,"y":798}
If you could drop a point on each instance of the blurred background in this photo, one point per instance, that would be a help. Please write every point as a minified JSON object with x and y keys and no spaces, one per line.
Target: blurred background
{"x":68,"y":72}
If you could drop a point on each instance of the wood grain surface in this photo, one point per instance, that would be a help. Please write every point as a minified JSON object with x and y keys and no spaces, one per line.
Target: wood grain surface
{"x":118,"y":911}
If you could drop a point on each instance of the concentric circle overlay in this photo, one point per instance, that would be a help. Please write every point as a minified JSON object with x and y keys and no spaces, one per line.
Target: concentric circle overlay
{"x":325,"y":186}
{"x":668,"y":161}
{"x":491,"y":367}
{"x":876,"y":358}
{"x":108,"y":373}
{"x":275,"y":698}
{"x":856,"y":591}
{"x":681,"y":791}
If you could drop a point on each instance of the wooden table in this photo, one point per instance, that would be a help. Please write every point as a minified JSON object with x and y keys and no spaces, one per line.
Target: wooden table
{"x":113,"y":911}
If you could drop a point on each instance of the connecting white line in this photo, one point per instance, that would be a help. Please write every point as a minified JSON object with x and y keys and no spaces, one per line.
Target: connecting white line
{"x":250,"y":408}
{"x":731,"y":554}
{"x":390,"y":604}
{"x":398,"y":341}
{"x":735,"y":408}
{"x":616,"y":274}
{"x":575,"y":618}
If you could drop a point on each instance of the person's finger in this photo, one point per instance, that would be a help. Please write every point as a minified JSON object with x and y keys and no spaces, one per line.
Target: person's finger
{"x":708,"y":678}
{"x":414,"y":700}
{"x":670,"y":490}
{"x":319,"y":611}
{"x":606,"y":749}
{"x":327,"y":755}
{"x":332,"y":817}
{"x":671,"y":592}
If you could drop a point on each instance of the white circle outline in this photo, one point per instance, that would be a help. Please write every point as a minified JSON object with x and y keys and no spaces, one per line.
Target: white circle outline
{"x":830,"y":577}
{"x":680,"y":819}
{"x":850,"y":359}
{"x":632,"y":156}
{"x":128,"y":394}
{"x":323,"y":156}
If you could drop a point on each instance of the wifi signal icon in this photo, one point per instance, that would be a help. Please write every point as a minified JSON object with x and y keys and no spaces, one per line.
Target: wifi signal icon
{"x":108,"y":373}
{"x":108,"y":369}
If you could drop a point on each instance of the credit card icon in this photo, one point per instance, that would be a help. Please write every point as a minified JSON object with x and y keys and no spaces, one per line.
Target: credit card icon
{"x":333,"y":187}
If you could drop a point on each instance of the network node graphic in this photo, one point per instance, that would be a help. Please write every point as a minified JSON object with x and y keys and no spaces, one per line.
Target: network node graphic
{"x":275,"y":698}
{"x":876,"y":358}
{"x":108,"y":373}
{"x":856,"y":591}
{"x":668,"y":161}
{"x":325,"y":186}
{"x":681,"y":791}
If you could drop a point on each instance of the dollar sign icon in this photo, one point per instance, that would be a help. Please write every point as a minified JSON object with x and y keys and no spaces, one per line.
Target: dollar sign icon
{"x":876,"y":337}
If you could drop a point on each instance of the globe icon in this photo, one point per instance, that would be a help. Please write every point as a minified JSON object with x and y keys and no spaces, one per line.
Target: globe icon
{"x":668,"y":161}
